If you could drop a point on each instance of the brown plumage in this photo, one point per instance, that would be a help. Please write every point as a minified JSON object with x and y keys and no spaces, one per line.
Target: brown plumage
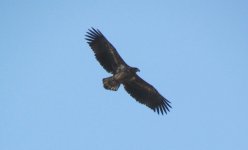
{"x":112,"y":62}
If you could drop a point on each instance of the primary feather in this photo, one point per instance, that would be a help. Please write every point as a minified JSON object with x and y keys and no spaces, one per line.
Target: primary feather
{"x":104,"y":51}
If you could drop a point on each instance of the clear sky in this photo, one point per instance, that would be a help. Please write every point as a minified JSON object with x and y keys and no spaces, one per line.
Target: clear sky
{"x":194,"y":52}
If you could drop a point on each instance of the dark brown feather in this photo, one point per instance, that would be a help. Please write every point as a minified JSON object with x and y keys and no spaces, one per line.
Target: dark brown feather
{"x":104,"y":51}
{"x":146,"y":94}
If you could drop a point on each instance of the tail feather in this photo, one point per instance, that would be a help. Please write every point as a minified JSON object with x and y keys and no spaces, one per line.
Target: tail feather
{"x":110,"y":84}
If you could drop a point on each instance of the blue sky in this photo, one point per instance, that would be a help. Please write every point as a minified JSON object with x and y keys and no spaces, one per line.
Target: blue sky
{"x":194,"y":52}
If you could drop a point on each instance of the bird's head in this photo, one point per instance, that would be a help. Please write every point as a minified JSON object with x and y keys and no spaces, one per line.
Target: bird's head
{"x":134,"y":69}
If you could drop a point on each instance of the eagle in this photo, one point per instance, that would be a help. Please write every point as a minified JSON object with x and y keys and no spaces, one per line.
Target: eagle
{"x":124,"y":74}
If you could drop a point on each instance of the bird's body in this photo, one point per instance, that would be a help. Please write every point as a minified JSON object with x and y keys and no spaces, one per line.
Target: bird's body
{"x":111,"y":61}
{"x":124,"y":74}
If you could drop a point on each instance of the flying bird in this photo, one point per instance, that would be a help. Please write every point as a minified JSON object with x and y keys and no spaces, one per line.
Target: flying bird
{"x":112,"y":62}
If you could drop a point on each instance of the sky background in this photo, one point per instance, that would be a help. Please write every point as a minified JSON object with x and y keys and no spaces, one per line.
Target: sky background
{"x":194,"y":52}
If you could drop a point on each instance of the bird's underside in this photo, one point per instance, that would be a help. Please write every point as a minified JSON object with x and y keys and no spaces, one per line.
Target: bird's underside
{"x":123,"y":74}
{"x":112,"y":62}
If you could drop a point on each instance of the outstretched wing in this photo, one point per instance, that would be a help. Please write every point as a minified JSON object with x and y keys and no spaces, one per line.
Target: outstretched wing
{"x":104,"y":51}
{"x":146,"y":94}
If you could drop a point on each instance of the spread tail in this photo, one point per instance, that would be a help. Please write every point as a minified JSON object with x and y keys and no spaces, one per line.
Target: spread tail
{"x":110,"y":84}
